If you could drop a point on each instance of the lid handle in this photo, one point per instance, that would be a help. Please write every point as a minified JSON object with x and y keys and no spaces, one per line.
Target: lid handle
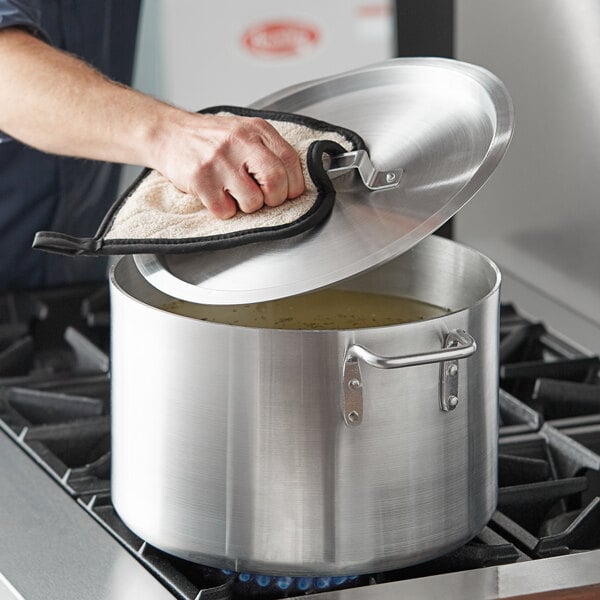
{"x":359,"y":159}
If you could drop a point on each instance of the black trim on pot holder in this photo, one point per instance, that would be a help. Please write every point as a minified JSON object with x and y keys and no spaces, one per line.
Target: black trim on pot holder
{"x":61,"y":243}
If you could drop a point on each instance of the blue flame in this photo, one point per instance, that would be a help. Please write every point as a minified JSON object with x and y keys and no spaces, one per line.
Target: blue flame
{"x":323,"y":583}
{"x":284,"y":583}
{"x":303,"y":584}
{"x":263,"y":580}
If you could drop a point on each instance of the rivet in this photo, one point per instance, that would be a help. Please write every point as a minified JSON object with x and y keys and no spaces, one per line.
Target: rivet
{"x":353,"y":416}
{"x":354,"y":384}
{"x":391,"y":176}
{"x":452,"y":402}
{"x":452,"y":370}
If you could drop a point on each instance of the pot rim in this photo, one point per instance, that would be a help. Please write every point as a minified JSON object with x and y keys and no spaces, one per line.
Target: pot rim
{"x":490,"y":263}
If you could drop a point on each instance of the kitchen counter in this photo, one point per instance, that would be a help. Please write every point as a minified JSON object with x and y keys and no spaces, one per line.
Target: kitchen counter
{"x":50,"y":549}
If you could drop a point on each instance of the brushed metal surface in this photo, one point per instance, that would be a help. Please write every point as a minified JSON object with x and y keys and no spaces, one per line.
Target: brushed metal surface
{"x":446,"y":123}
{"x":229,"y":446}
{"x":50,"y":549}
{"x":492,"y":583}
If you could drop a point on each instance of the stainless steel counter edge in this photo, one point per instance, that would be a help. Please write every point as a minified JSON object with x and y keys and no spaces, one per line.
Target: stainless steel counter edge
{"x":492,"y":583}
{"x":50,"y":549}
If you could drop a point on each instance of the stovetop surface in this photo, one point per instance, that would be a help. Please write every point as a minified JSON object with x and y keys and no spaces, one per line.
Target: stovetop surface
{"x":54,"y":412}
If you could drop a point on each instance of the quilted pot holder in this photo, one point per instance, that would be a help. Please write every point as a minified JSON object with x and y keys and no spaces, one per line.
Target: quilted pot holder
{"x":153,"y":216}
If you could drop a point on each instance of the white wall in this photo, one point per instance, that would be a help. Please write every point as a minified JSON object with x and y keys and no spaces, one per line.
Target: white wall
{"x":198,"y":53}
{"x":539,"y":215}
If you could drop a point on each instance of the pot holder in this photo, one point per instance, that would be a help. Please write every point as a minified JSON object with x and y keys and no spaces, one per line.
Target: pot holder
{"x":153,"y":216}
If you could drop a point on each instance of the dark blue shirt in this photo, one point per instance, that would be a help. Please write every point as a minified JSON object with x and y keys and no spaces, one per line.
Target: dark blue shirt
{"x":40,"y":191}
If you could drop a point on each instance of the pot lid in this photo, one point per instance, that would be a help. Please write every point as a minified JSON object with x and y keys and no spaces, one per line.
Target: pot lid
{"x":445,"y":123}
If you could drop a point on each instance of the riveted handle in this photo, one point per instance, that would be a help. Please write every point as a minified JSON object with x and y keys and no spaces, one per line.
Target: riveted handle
{"x":359,"y":159}
{"x":458,"y":344}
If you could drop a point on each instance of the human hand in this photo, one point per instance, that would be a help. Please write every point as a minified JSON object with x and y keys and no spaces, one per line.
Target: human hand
{"x":229,"y":162}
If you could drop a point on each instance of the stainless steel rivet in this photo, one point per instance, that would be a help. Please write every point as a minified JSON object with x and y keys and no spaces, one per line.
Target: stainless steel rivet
{"x":390,"y":177}
{"x":452,"y":402}
{"x":354,"y":384}
{"x":452,"y":370}
{"x":353,"y":416}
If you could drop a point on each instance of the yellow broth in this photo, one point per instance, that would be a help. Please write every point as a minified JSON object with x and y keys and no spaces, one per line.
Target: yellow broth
{"x":326,"y":309}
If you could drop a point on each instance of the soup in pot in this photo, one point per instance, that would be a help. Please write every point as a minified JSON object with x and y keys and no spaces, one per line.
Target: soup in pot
{"x":325,"y":309}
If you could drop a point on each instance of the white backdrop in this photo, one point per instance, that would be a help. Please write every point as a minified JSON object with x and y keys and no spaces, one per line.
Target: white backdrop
{"x":198,"y":53}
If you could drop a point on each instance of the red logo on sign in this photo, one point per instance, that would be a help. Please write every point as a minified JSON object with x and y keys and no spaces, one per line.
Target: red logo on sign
{"x":281,"y":38}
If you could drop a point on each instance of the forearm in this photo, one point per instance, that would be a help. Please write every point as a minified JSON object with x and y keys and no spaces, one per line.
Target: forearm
{"x":57,"y":103}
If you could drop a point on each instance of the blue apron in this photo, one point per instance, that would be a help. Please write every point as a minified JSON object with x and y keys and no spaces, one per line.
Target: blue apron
{"x":40,"y":191}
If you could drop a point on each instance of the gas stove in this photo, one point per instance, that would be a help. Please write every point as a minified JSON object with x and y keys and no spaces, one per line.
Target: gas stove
{"x":60,"y":536}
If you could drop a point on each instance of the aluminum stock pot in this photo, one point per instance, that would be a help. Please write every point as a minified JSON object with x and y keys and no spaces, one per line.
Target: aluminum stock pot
{"x":325,"y":451}
{"x":299,"y":452}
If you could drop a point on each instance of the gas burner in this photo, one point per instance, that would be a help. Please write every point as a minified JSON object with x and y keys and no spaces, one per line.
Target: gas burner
{"x":269,"y":587}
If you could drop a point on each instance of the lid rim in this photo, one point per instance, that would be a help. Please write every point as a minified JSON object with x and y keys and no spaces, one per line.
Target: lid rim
{"x":157,"y":273}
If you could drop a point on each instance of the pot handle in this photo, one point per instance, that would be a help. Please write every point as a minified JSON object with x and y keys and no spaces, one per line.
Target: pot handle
{"x":457,"y":344}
